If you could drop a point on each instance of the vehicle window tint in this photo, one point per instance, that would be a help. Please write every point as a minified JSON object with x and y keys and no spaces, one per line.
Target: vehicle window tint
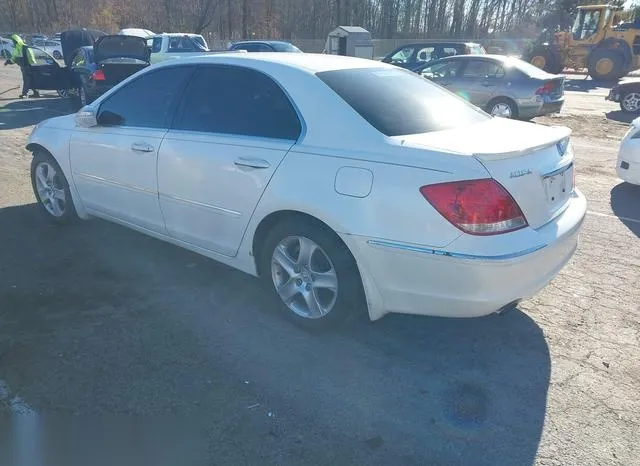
{"x":156,"y":45}
{"x":78,"y":60}
{"x":403,"y":55}
{"x":249,"y":103}
{"x":404,"y":102}
{"x":425,"y":54}
{"x":41,"y":57}
{"x":482,"y":69}
{"x":449,"y":52}
{"x":264,"y":48}
{"x":181,"y":44}
{"x":147,"y":101}
{"x":445,"y":69}
{"x":247,"y":47}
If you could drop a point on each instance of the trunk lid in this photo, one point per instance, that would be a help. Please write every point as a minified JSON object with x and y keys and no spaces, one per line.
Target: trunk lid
{"x":533,"y":162}
{"x":121,"y":47}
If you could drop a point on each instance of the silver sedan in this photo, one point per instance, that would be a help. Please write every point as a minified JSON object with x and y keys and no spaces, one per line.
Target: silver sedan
{"x":502,"y":86}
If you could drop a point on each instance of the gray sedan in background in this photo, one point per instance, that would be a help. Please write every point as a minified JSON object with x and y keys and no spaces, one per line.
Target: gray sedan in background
{"x":502,"y":86}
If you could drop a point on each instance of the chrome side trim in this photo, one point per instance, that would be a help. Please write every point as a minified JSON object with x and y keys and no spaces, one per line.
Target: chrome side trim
{"x":558,"y":171}
{"x":456,"y":255}
{"x":129,"y":187}
{"x":220,"y":210}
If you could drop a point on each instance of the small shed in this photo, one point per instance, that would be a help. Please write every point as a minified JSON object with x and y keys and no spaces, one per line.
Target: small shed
{"x":352,"y":41}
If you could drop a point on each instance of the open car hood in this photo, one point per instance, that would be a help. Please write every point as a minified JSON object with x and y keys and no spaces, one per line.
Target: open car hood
{"x":120,"y":46}
{"x":72,"y":40}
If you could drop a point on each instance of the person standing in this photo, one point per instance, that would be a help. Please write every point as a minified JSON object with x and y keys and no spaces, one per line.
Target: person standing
{"x":24,"y":58}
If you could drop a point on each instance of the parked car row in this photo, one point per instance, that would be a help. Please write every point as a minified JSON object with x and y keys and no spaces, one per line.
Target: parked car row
{"x":346,"y":184}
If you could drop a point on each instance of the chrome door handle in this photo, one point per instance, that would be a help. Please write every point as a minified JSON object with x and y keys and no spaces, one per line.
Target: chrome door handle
{"x":141,"y":147}
{"x":253,"y":163}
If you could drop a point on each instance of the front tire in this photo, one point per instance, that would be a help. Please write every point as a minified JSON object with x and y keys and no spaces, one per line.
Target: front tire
{"x":51,"y":189}
{"x":311,"y":273}
{"x":630,"y":102}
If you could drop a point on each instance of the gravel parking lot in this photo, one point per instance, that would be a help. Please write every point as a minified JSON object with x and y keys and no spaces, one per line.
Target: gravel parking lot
{"x":97,"y":320}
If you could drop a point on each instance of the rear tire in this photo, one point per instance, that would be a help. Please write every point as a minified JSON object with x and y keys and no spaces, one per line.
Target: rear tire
{"x":545,"y":59}
{"x":51,"y":189}
{"x":502,"y":107}
{"x":315,"y":290}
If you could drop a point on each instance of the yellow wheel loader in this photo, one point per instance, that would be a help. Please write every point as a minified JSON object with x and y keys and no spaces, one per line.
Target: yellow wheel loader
{"x":594,"y":43}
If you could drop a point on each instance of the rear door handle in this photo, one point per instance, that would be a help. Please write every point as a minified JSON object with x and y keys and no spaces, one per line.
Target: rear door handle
{"x":253,"y":163}
{"x":142,"y":147}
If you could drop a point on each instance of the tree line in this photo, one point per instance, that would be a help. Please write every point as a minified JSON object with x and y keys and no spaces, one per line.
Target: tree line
{"x":294,"y":19}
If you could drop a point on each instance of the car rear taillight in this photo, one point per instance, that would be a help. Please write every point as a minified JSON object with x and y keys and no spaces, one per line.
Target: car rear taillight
{"x":546,"y":89}
{"x":97,"y":75}
{"x":477,"y":207}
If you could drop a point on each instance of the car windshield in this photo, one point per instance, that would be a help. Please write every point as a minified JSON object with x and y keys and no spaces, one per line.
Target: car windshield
{"x":200,"y":42}
{"x":398,"y":102}
{"x":285,"y":47}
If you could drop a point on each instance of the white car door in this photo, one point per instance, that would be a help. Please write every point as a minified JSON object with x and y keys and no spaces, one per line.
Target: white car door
{"x":220,"y":154}
{"x":114,"y":164}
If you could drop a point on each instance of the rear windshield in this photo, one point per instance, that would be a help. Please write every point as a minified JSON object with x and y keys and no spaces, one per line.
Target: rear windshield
{"x":398,"y":102}
{"x":527,"y":68}
{"x":284,"y":47}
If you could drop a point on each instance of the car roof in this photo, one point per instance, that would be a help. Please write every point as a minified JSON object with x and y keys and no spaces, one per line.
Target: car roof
{"x":436,"y":42}
{"x":262,"y":42}
{"x":310,"y":62}
{"x":177,"y":34}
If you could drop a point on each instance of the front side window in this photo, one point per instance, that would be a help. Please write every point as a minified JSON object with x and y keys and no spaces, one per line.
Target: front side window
{"x":402,"y":55}
{"x":237,"y":101}
{"x":404,"y":102}
{"x":181,"y":44}
{"x":147,"y":101}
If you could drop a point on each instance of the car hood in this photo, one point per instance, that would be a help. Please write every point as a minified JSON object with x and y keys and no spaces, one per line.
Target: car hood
{"x":121,"y":46}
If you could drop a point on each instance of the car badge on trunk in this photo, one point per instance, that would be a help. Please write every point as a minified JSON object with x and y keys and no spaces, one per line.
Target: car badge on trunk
{"x":562,"y":147}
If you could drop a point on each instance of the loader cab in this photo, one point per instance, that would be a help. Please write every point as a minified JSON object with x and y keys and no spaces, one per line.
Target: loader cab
{"x":591,"y":22}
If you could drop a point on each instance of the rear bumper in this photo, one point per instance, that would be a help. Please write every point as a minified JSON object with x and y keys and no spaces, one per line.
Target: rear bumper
{"x":412,"y":279}
{"x":95,"y":90}
{"x":614,"y":95}
{"x":541,"y":108}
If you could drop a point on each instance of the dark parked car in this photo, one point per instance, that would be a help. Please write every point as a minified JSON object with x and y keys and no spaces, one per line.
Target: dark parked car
{"x":265,"y":46}
{"x":410,"y":56}
{"x":91,"y":70}
{"x":627,"y":94}
{"x":503,"y":86}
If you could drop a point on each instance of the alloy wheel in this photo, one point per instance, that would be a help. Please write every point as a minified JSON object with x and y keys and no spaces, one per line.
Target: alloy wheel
{"x":631,"y":102}
{"x":304,"y":277}
{"x":50,"y":189}
{"x":501,"y":110}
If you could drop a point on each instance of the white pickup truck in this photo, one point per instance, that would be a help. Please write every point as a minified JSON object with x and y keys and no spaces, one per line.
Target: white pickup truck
{"x":166,"y":46}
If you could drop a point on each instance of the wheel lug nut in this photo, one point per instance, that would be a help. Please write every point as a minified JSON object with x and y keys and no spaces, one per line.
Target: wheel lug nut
{"x":298,"y":282}
{"x":308,"y":287}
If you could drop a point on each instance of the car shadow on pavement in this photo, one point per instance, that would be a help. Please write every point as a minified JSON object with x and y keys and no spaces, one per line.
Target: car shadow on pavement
{"x":625,"y":205}
{"x":117,"y":322}
{"x":622,"y":117}
{"x":578,"y":84}
{"x":28,"y":112}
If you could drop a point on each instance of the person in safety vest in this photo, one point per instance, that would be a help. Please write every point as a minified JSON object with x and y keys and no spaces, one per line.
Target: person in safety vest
{"x":23,"y":57}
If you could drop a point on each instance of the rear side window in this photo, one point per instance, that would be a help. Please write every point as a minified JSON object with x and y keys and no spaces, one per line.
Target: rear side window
{"x":147,"y":101}
{"x":482,"y":69}
{"x":238,"y":101}
{"x":399,"y":102}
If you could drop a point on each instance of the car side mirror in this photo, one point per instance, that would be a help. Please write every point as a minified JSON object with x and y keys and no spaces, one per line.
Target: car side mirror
{"x":108,"y":118}
{"x":86,"y":118}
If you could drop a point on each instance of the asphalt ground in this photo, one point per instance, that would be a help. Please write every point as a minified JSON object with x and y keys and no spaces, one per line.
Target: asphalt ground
{"x":116,"y":348}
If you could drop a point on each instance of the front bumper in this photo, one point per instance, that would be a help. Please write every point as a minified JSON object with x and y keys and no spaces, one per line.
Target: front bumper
{"x":614,"y":95}
{"x":628,"y":163}
{"x":412,"y":279}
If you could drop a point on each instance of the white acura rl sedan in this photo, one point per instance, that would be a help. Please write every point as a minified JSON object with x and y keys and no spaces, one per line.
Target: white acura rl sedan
{"x":344,"y":183}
